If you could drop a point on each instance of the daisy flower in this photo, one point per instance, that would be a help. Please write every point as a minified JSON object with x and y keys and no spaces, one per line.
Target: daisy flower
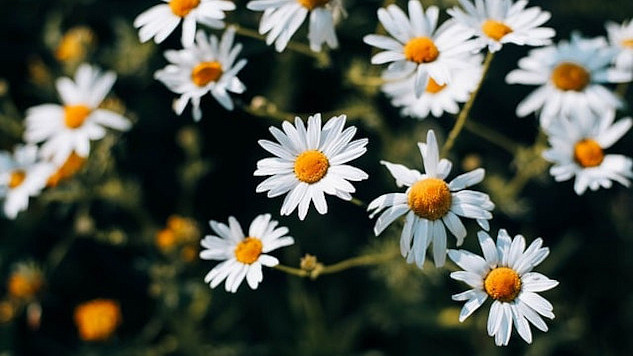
{"x":578,"y":143}
{"x":70,"y":127}
{"x":205,"y":67}
{"x":431,"y":205}
{"x":21,"y":176}
{"x":159,"y":21}
{"x":505,"y":275}
{"x":243,"y":256}
{"x":621,"y":37}
{"x":282,"y":18}
{"x":310,"y":162}
{"x":571,"y":77}
{"x":497,"y":22}
{"x":436,"y":99}
{"x":418,"y":46}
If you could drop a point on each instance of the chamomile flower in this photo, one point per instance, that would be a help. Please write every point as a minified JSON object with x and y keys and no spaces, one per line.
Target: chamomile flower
{"x":571,"y":75}
{"x":578,"y":143}
{"x":419,"y":46}
{"x":436,"y":98}
{"x":497,"y":22}
{"x":621,"y":37}
{"x":22,"y":176}
{"x":243,"y":255}
{"x":208,"y":66}
{"x":282,"y":18}
{"x":71,"y":127}
{"x":310,"y":163}
{"x":160,"y":21}
{"x":431,"y":205}
{"x":505,"y":275}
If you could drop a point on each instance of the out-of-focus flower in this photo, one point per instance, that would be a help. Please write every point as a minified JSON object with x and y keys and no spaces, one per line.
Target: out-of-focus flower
{"x":159,"y":21}
{"x":243,"y":256}
{"x":180,"y":232}
{"x":431,"y":205}
{"x":309,"y":163}
{"x":71,"y":127}
{"x":578,"y":142}
{"x":571,"y":77}
{"x":7,"y":311}
{"x":419,"y":47}
{"x":621,"y":37}
{"x":74,"y":163}
{"x":497,"y":22}
{"x":25,"y":281}
{"x":282,"y":18}
{"x":505,"y":275}
{"x":97,"y":319}
{"x":22,"y":176}
{"x":205,"y":67}
{"x":75,"y":45}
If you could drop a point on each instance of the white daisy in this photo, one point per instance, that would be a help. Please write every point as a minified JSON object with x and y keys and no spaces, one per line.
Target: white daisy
{"x":159,"y":21}
{"x":578,"y":143}
{"x":70,"y":127}
{"x":497,"y":22}
{"x":571,"y":77}
{"x":243,"y":256}
{"x":311,"y":162}
{"x":208,"y":66}
{"x":419,"y":46}
{"x":21,"y":176}
{"x":436,"y":98}
{"x":282,"y":18}
{"x":621,"y":37}
{"x":431,"y":205}
{"x":505,"y":275}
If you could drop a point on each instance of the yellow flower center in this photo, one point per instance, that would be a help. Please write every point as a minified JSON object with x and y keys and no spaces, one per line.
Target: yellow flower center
{"x":73,"y":164}
{"x":570,"y":76}
{"x":312,"y":4}
{"x":495,"y":29}
{"x":97,"y":319}
{"x":17,"y":178}
{"x":628,"y":43}
{"x":182,"y":8}
{"x":503,"y":284}
{"x":248,"y":250}
{"x":25,"y":286}
{"x":588,"y":153}
{"x":206,"y":72}
{"x":430,"y":198}
{"x":433,"y":87}
{"x":75,"y":115}
{"x":311,"y":166}
{"x":421,"y":50}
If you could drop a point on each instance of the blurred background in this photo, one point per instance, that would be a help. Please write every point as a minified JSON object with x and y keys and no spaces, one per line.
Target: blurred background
{"x":124,"y":228}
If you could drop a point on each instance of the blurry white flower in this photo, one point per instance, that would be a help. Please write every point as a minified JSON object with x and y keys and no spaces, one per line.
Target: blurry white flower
{"x":21,"y":176}
{"x":205,"y":67}
{"x":578,"y":143}
{"x":159,"y":21}
{"x":621,"y":37}
{"x":497,"y":22}
{"x":431,"y":205}
{"x":505,"y":275}
{"x":309,"y":163}
{"x":243,"y":255}
{"x":282,"y":18}
{"x":70,"y":127}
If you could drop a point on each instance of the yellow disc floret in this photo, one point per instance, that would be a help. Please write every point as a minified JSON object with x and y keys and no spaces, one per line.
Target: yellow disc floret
{"x":495,"y":29}
{"x":312,"y":4}
{"x":25,"y":282}
{"x":17,"y":178}
{"x":96,"y":320}
{"x":434,"y":88}
{"x":503,"y":284}
{"x":570,"y":76}
{"x":421,"y":50}
{"x":181,"y":8}
{"x":430,"y":198}
{"x":75,"y":115}
{"x":73,"y":164}
{"x":248,"y":250}
{"x":206,"y":72}
{"x":588,"y":153}
{"x":311,"y":166}
{"x":628,"y":43}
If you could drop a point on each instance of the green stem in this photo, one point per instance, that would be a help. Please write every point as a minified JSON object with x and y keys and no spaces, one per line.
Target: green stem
{"x":493,"y":136}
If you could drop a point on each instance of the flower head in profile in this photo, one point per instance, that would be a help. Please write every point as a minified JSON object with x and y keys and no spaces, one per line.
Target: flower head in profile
{"x":71,"y":126}
{"x":310,"y":163}
{"x":243,"y":255}
{"x":431,"y":205}
{"x":497,"y":22}
{"x":577,"y":150}
{"x":505,"y":275}
{"x":97,"y":319}
{"x":282,"y":18}
{"x":208,"y":66}
{"x":161,"y":20}
{"x":621,"y":38}
{"x":571,"y":77}
{"x":22,"y":176}
{"x":418,"y":46}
